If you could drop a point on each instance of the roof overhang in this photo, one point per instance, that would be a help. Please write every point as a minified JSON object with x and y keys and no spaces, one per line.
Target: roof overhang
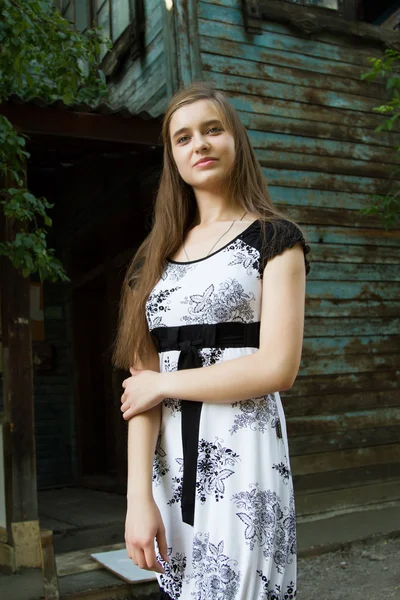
{"x":102,"y":123}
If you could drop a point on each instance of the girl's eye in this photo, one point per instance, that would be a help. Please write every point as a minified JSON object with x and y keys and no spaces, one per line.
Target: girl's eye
{"x":215,"y":129}
{"x":182,"y":139}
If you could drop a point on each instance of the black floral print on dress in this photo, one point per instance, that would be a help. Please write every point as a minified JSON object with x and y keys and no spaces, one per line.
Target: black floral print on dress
{"x":172,"y":580}
{"x":216,"y":576}
{"x":268,"y":526}
{"x":160,"y":465}
{"x":256,"y":413}
{"x":283,"y":471}
{"x":215,"y":464}
{"x":174,"y":404}
{"x":211,"y":356}
{"x":175,"y":272}
{"x":158,"y":302}
{"x":276,"y":593}
{"x":244,"y":255}
{"x":229,"y":303}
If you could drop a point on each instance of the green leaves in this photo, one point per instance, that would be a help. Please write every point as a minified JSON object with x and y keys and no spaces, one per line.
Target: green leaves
{"x":387,"y":69}
{"x":29,"y":253}
{"x":41,"y":54}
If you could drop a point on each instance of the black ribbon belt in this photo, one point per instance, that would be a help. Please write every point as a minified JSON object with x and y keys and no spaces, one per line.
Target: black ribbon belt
{"x":189,"y":339}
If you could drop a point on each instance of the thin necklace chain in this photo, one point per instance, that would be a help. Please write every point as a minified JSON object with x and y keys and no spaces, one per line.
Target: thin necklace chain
{"x":229,"y":228}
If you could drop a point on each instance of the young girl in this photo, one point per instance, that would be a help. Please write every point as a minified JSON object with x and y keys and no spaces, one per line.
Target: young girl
{"x":211,"y":328}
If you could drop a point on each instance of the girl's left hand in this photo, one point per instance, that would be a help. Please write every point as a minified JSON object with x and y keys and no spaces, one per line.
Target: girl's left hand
{"x":142,"y":392}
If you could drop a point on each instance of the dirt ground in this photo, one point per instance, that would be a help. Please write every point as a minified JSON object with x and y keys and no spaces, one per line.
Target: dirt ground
{"x":367,"y":571}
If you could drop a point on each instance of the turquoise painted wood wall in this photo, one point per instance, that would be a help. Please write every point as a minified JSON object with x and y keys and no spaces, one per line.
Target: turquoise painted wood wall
{"x":311,"y":121}
{"x":142,"y":85}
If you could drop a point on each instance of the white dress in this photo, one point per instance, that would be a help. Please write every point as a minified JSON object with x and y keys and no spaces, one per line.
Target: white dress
{"x":242,"y":543}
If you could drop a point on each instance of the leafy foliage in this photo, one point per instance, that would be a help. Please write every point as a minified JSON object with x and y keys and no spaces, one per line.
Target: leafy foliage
{"x":41,"y":54}
{"x":388,"y":69}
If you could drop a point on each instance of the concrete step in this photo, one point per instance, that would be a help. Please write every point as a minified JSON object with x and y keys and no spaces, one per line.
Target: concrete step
{"x":80,"y":561}
{"x":323,"y":533}
{"x":103,"y":585}
{"x":79,"y":538}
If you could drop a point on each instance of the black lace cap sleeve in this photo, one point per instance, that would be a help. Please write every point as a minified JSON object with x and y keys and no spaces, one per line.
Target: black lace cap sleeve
{"x":287,"y":235}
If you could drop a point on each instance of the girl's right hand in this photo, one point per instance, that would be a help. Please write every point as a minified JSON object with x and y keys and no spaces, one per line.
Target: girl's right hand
{"x":143,"y":524}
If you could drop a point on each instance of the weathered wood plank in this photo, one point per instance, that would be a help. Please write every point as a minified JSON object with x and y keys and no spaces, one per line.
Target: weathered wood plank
{"x":236,"y":64}
{"x":276,"y":142}
{"x":296,"y":93}
{"x":350,"y":363}
{"x":245,"y":102}
{"x":311,"y":504}
{"x":313,"y":200}
{"x":365,"y":47}
{"x":343,"y":235}
{"x":329,"y":403}
{"x":325,"y":181}
{"x":279,"y":58}
{"x":345,"y":423}
{"x":318,"y":328}
{"x":355,"y":344}
{"x":333,"y":132}
{"x":343,"y":459}
{"x":221,"y":29}
{"x":354,"y":272}
{"x":342,"y":440}
{"x":299,"y":161}
{"x":340,"y":217}
{"x":318,"y":482}
{"x":343,"y":383}
{"x":337,"y":253}
{"x":352,"y":308}
{"x":340,"y":290}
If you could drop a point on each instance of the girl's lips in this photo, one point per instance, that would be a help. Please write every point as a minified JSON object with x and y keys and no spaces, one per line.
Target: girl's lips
{"x":205,"y":163}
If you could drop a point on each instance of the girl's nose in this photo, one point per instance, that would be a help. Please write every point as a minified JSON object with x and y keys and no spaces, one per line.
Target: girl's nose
{"x":200,"y":143}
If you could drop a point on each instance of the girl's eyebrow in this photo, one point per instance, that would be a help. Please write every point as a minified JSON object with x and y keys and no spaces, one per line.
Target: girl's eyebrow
{"x":203,"y":124}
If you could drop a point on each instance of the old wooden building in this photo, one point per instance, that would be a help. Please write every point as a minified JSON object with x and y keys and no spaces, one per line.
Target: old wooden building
{"x":293,"y":71}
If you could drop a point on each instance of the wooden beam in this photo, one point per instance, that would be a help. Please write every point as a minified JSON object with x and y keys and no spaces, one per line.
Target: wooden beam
{"x":19,"y":436}
{"x":313,"y":19}
{"x":49,"y":568}
{"x":30,"y":119}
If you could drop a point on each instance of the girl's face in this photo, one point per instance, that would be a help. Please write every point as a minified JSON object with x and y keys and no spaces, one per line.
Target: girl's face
{"x":203,"y":150}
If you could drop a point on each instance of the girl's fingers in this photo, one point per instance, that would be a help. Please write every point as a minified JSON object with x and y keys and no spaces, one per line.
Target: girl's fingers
{"x":151,"y":559}
{"x":139,"y":558}
{"x":162,"y":542}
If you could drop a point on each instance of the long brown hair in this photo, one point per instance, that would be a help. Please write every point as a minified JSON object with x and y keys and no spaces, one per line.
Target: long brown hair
{"x":175,"y":212}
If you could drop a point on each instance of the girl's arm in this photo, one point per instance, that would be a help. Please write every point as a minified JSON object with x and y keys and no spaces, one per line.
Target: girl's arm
{"x":143,"y":432}
{"x":275,"y":365}
{"x":143,"y":520}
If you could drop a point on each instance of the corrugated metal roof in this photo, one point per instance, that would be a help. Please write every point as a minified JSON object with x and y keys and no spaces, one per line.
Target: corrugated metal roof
{"x":102,"y":108}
